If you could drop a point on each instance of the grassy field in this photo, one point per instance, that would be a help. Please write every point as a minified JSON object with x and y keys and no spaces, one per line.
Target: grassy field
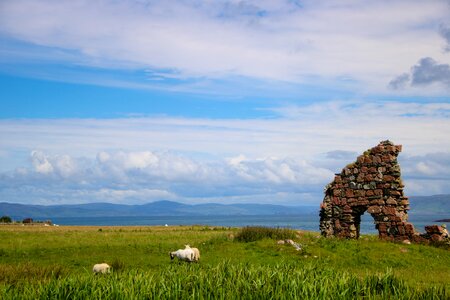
{"x":38,"y":262}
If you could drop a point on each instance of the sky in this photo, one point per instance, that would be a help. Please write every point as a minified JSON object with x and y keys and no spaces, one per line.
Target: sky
{"x":226,"y":101}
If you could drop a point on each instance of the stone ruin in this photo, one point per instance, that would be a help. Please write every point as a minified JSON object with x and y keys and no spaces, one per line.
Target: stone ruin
{"x":372,"y":184}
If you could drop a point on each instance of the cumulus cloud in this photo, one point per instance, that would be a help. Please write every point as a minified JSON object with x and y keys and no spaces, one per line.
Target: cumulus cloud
{"x":281,"y":172}
{"x":399,"y":82}
{"x":61,"y":165}
{"x":426,"y":72}
{"x":129,"y":177}
{"x":270,"y":180}
{"x":218,"y":159}
{"x":445,"y":33}
{"x":434,"y":166}
{"x":426,"y":174}
{"x":41,"y":163}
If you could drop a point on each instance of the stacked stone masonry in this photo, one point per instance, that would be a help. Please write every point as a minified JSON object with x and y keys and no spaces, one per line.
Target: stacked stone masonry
{"x":371,"y":184}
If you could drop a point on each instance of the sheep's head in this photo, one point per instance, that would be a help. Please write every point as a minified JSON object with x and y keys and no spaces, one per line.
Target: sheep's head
{"x":172,"y":255}
{"x":187,"y":246}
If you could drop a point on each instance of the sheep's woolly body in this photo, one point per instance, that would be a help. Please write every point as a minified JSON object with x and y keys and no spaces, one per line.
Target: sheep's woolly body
{"x":196,"y":253}
{"x":183,"y":254}
{"x":101,"y":268}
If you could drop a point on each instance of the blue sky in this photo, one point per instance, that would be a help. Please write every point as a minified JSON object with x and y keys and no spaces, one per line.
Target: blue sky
{"x":217,"y":101}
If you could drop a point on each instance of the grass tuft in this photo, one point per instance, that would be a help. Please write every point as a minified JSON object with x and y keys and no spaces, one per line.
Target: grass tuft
{"x":256,"y":233}
{"x":117,"y":265}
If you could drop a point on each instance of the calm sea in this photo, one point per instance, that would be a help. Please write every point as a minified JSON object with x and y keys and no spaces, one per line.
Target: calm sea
{"x":304,"y":222}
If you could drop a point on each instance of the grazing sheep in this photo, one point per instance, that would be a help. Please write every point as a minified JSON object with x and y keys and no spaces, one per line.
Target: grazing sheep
{"x":196,"y":253}
{"x":101,"y":268}
{"x":183,"y":254}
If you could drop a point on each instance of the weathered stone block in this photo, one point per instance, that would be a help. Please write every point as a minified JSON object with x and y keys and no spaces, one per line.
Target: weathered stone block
{"x":376,"y":159}
{"x":374,"y":209}
{"x":378,"y":192}
{"x":349,"y":193}
{"x":376,"y":201}
{"x":404,"y":202}
{"x":347,"y":209}
{"x":433,"y":229}
{"x":391,"y":201}
{"x":363,"y":202}
{"x":388,"y":178}
{"x":395,"y":193}
{"x":388,"y":211}
{"x":373,"y":170}
{"x":437,"y":238}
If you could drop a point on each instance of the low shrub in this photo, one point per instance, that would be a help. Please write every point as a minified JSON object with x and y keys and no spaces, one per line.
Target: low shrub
{"x":255,"y":233}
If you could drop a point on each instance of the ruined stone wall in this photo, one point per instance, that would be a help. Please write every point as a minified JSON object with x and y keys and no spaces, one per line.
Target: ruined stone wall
{"x":371,"y":184}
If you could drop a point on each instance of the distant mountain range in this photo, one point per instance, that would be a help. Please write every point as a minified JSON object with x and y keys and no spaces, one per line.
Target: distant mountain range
{"x":159,"y":208}
{"x":437,"y":204}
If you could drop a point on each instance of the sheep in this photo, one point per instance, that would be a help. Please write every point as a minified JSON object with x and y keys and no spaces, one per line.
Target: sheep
{"x":101,"y":268}
{"x":183,"y":254}
{"x":196,"y":253}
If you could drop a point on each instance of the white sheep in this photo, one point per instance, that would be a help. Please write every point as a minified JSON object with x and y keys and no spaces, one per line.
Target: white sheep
{"x":196,"y":253}
{"x":101,"y":268}
{"x":183,"y":254}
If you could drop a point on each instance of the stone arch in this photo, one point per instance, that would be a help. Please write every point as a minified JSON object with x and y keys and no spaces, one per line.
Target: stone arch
{"x":371,"y":184}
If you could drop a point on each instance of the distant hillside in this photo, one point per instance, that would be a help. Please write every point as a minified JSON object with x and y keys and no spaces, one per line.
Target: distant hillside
{"x":437,"y":204}
{"x":160,"y":208}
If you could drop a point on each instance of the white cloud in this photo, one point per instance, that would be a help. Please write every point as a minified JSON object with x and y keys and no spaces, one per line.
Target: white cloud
{"x":199,"y":159}
{"x":424,"y":187}
{"x":433,"y":166}
{"x":41,"y":163}
{"x":367,"y":42}
{"x":301,"y":132}
{"x":424,"y":168}
{"x":427,"y":72}
{"x":173,"y":177}
{"x":65,"y":165}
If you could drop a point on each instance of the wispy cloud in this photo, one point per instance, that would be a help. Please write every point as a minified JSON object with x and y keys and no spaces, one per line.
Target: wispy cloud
{"x":299,"y":131}
{"x":363,"y":42}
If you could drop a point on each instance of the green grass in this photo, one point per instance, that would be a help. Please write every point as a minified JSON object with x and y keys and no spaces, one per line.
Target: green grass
{"x":43,"y":263}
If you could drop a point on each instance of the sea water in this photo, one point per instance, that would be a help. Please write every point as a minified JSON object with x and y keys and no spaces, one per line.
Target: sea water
{"x":304,"y":222}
